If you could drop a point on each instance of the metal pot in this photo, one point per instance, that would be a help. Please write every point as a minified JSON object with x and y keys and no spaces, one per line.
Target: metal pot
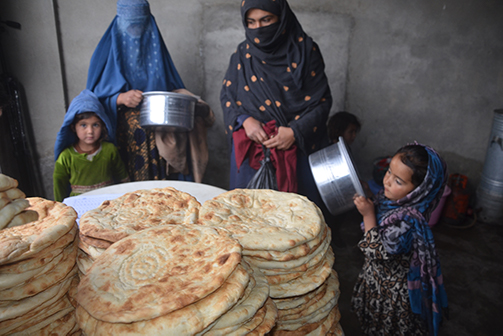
{"x":335,"y":176}
{"x":170,"y":110}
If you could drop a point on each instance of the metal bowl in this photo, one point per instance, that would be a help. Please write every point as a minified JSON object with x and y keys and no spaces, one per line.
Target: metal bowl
{"x":335,"y":176}
{"x":169,"y":110}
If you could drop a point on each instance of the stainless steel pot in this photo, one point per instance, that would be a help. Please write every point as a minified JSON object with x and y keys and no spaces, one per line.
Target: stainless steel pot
{"x":336,"y":177}
{"x":170,"y":110}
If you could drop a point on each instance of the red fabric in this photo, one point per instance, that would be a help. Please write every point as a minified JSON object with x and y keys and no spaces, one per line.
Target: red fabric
{"x":285,"y":162}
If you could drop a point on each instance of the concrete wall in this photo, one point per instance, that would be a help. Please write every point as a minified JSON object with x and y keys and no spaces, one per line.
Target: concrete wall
{"x":428,"y":71}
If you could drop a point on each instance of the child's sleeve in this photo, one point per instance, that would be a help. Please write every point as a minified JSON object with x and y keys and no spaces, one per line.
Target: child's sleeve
{"x":61,"y":180}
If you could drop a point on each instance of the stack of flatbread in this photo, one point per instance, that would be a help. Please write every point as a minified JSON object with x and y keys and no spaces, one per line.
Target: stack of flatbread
{"x":174,"y":280}
{"x":38,"y":272}
{"x":285,"y":236}
{"x":135,"y":211}
{"x":13,"y":204}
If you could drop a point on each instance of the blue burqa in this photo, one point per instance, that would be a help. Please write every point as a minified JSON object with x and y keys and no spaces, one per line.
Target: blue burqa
{"x":131,"y":56}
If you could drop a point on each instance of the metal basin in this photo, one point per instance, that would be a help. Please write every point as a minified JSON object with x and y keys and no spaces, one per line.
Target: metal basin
{"x":169,"y":110}
{"x":335,"y":177}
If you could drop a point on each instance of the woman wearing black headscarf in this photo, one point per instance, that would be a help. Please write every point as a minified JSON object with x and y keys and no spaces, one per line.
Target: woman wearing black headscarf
{"x":275,"y":93}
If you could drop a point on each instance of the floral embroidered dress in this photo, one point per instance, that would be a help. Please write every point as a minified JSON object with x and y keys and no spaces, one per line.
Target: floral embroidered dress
{"x":400,"y":289}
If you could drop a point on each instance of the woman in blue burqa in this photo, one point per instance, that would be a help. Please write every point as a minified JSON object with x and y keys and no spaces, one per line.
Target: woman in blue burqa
{"x":130,"y":59}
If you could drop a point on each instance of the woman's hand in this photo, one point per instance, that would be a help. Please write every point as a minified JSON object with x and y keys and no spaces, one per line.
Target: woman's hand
{"x":283,"y":140}
{"x":254,"y":130}
{"x":131,"y":98}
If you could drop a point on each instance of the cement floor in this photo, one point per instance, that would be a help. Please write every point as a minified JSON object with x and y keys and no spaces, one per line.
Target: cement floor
{"x":472,"y":265}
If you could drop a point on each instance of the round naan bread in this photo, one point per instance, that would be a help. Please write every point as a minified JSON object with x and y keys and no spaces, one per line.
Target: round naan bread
{"x":7,"y":182}
{"x":264,"y":219}
{"x":310,"y":280}
{"x":187,"y":320}
{"x":253,"y":299}
{"x":139,"y":210}
{"x":156,"y":271}
{"x":293,"y":253}
{"x":21,"y":242}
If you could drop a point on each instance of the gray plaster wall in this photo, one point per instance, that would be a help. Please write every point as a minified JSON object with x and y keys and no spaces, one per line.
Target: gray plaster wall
{"x":424,"y":71}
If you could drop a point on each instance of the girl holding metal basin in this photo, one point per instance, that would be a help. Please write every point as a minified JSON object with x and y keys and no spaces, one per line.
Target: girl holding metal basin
{"x":400,"y":289}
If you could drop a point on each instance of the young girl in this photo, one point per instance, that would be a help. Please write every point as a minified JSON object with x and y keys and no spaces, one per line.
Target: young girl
{"x":400,"y":289}
{"x":84,"y":161}
{"x":343,"y":124}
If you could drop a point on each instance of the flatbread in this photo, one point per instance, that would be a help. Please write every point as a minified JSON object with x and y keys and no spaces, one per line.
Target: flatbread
{"x":4,"y":200}
{"x":44,"y":257}
{"x":34,"y":316}
{"x":268,"y":322}
{"x":13,"y":309}
{"x":318,"y":328}
{"x":288,"y":277}
{"x":100,"y":243}
{"x":93,"y":252}
{"x":248,"y":304}
{"x":157,"y":271}
{"x":60,"y":327}
{"x":242,"y":328}
{"x":185,"y":321}
{"x":298,"y":301}
{"x":12,"y":209}
{"x":35,"y":329}
{"x":7,"y":182}
{"x":293,"y":253}
{"x":308,"y":260}
{"x":139,"y":210}
{"x":25,"y":241}
{"x":25,"y":216}
{"x":264,"y":219}
{"x":8,"y":280}
{"x":333,"y":317}
{"x":72,"y":291}
{"x":332,"y":291}
{"x":12,"y":194}
{"x":336,"y":330}
{"x":307,"y":282}
{"x":316,"y":316}
{"x":84,"y":261}
{"x":67,"y":268}
{"x":283,"y":314}
{"x":44,"y":207}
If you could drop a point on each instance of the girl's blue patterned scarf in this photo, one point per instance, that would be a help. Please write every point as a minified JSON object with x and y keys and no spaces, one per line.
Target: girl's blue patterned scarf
{"x":404,"y":228}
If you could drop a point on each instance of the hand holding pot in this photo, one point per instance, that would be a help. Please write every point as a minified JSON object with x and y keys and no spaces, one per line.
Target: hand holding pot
{"x":131,"y":98}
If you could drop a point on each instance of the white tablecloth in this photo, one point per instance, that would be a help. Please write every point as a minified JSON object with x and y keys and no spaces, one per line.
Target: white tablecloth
{"x":93,"y":199}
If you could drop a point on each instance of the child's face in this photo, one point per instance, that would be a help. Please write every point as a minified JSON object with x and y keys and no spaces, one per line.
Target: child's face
{"x":349,"y":134}
{"x":89,"y":130}
{"x":397,"y":181}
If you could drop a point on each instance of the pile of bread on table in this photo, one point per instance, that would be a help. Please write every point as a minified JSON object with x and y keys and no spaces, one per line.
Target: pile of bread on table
{"x":157,"y":262}
{"x":38,"y":271}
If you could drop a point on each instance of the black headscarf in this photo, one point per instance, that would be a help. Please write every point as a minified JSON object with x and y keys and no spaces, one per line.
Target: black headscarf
{"x":278,"y":73}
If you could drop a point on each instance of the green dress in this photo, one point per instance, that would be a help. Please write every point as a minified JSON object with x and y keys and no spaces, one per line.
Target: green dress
{"x":74,"y":174}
